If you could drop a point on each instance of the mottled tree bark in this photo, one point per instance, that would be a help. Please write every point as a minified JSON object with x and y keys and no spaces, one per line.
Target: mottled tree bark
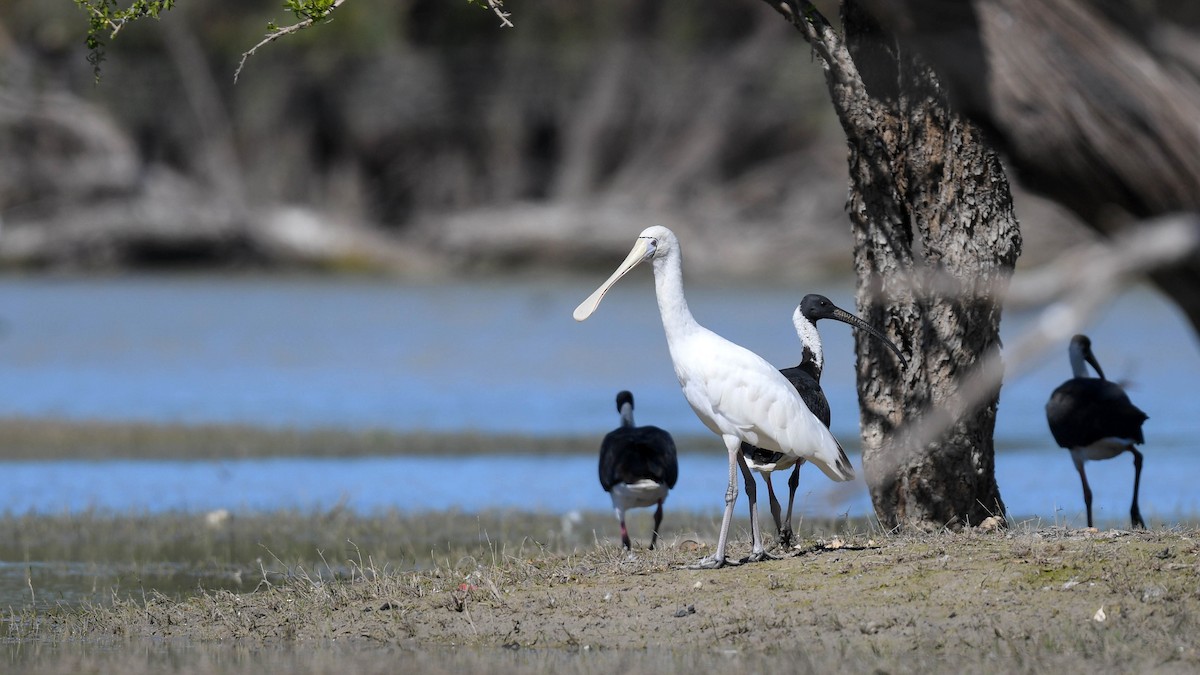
{"x":935,"y":243}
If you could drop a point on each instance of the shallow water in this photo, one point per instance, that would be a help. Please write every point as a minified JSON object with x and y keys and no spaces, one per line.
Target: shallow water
{"x":500,"y":356}
{"x":1034,"y":484}
{"x":491,"y":357}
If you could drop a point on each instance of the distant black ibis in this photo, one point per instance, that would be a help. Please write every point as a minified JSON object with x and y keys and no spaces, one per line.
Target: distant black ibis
{"x":806,"y":378}
{"x":637,"y":467}
{"x":1094,"y":419}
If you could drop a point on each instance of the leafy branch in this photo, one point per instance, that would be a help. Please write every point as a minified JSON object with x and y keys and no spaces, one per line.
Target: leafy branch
{"x":106,"y":17}
{"x":308,"y":11}
{"x":313,"y":11}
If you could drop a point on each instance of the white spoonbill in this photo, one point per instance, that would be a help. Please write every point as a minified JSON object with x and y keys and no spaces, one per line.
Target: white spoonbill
{"x":806,"y":378}
{"x":1094,"y":419}
{"x":637,"y":467}
{"x":735,"y":392}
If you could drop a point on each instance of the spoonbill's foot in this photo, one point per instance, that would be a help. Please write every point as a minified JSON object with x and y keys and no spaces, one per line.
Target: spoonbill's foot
{"x":712,"y":562}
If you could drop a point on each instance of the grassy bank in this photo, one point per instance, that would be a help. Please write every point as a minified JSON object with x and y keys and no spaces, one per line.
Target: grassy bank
{"x":521,"y":593}
{"x":33,"y":439}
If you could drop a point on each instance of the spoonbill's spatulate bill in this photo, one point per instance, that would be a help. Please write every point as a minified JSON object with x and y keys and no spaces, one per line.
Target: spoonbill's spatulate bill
{"x":1094,"y":419}
{"x":806,"y":378}
{"x":735,"y":393}
{"x":638,"y":467}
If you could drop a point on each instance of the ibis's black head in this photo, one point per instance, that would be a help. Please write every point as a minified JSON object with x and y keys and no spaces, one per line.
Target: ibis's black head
{"x":1080,"y":352}
{"x":815,"y":306}
{"x":623,"y":398}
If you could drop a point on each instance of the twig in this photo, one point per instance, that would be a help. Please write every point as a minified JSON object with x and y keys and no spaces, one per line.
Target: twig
{"x":281,"y":32}
{"x":498,"y":7}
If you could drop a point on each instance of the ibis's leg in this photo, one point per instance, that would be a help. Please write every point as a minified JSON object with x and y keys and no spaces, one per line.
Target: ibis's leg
{"x":624,"y":532}
{"x":785,"y":536}
{"x":1135,"y":514}
{"x":1087,"y":490}
{"x":717,"y":559}
{"x":657,"y":522}
{"x":758,"y":553}
{"x":775,"y":509}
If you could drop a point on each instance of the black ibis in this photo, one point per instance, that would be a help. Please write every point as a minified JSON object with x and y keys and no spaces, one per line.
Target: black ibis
{"x":637,"y":467}
{"x":1094,"y":419}
{"x":806,"y":378}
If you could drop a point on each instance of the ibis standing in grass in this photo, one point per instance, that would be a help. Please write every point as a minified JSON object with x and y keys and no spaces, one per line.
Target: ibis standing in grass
{"x":806,"y":378}
{"x":1094,"y":419}
{"x":735,"y":392}
{"x":637,"y":467}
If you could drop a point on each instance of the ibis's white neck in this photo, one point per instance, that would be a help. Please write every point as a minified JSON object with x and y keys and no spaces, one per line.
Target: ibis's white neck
{"x":810,"y":342}
{"x":668,"y":288}
{"x":627,"y":415}
{"x":1078,"y":366}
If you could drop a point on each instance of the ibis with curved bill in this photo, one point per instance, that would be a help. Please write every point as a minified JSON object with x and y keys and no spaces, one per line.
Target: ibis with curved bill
{"x":1094,"y":419}
{"x":806,"y":378}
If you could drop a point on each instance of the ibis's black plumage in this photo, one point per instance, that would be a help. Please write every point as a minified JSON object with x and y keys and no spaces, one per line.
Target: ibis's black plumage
{"x":1094,"y":419}
{"x":638,"y":467}
{"x":806,"y":378}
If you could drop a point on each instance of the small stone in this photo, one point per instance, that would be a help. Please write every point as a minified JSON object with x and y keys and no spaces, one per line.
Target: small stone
{"x":991,"y":524}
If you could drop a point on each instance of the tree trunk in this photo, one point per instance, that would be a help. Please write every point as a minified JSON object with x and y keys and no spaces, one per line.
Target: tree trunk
{"x":935,"y":244}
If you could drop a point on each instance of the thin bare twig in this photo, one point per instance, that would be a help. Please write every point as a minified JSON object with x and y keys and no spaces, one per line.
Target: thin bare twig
{"x":498,"y":7}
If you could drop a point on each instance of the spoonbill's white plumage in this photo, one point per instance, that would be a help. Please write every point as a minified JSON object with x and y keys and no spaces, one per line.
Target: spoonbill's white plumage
{"x":735,"y":393}
{"x":806,"y":378}
{"x":1094,"y":419}
{"x":638,"y":467}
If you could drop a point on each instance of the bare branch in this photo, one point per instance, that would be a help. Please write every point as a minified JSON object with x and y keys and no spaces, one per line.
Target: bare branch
{"x":819,"y":33}
{"x":498,"y":7}
{"x":856,"y":110}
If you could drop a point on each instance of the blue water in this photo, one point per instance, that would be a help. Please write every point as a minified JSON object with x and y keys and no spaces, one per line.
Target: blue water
{"x":1034,"y":484}
{"x":488,"y":357}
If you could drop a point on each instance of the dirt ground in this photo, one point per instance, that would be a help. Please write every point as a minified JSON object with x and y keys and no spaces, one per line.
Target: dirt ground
{"x":1022,"y":600}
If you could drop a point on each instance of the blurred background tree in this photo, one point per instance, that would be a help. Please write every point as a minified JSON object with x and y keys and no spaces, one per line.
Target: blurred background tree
{"x":417,"y":136}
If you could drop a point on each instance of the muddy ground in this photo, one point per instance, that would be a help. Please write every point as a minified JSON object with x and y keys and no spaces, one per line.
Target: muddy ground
{"x":1023,"y":600}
